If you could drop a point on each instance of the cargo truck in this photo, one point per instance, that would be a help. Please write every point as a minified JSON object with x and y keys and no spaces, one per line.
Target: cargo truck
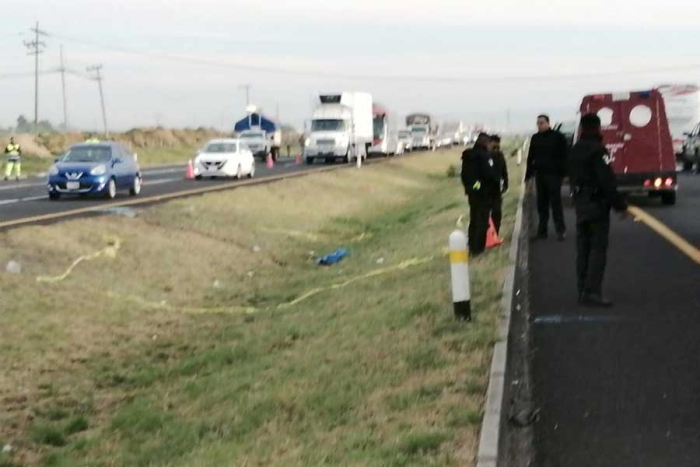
{"x":262,"y":135}
{"x":637,"y":136}
{"x":341,"y":128}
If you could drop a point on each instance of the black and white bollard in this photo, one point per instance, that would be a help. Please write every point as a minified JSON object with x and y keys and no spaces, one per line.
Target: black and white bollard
{"x":459,"y":265}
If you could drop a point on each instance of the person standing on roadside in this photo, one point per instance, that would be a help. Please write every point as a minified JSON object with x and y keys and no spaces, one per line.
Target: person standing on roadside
{"x":546,"y":162}
{"x":480,"y":182}
{"x":500,"y":168}
{"x":595,"y":192}
{"x":13,"y":151}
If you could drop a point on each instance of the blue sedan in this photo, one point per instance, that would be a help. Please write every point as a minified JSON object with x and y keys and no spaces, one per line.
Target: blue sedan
{"x":95,"y":169}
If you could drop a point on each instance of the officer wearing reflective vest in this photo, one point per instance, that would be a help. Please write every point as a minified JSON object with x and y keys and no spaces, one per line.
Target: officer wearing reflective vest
{"x":594,"y":192}
{"x":480,"y":182}
{"x":13,"y":151}
{"x":92,"y":140}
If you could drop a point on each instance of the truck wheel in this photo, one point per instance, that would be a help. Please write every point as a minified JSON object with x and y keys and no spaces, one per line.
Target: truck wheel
{"x":309,"y":161}
{"x":687,"y":166}
{"x":668,"y":198}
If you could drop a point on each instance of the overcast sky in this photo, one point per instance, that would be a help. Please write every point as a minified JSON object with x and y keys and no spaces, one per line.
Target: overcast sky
{"x":179,"y":62}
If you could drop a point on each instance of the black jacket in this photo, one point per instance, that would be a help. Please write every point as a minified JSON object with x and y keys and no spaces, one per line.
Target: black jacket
{"x":501,"y":168}
{"x":593,"y":180}
{"x":478,"y":166}
{"x":547,"y":155}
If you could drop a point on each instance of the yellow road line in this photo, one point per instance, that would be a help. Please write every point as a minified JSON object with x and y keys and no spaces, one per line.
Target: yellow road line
{"x":668,"y":234}
{"x":163,"y":197}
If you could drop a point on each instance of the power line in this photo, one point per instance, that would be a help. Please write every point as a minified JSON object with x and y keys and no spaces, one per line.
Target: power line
{"x":405,"y":78}
{"x":97,"y":69}
{"x":247,"y":93}
{"x":36,"y":48}
{"x":63,"y":88}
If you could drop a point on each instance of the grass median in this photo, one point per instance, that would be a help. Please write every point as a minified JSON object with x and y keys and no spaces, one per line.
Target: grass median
{"x":206,"y":335}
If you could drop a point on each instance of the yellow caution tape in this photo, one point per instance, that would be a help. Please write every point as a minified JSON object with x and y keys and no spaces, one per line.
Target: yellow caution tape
{"x":238,"y":310}
{"x":110,"y":251}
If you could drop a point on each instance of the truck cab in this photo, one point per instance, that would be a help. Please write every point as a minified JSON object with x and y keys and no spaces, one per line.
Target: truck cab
{"x":257,"y":142}
{"x":421,"y":131}
{"x":637,"y":137}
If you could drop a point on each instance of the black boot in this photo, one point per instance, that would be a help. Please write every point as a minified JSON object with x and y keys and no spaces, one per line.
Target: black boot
{"x":591,"y":300}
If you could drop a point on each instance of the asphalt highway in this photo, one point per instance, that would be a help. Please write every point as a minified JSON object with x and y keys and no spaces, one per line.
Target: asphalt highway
{"x":27,"y":201}
{"x":621,"y":387}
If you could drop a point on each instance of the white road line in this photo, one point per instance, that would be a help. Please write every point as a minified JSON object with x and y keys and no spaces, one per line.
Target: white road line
{"x":19,"y":185}
{"x":160,"y":182}
{"x":18,"y":200}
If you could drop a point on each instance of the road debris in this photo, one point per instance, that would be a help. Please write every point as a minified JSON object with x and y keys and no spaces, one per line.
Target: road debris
{"x":332,"y":258}
{"x":13,"y":267}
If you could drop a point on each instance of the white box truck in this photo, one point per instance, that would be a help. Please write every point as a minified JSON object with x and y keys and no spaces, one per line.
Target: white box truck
{"x":682,"y":102}
{"x":341,"y":128}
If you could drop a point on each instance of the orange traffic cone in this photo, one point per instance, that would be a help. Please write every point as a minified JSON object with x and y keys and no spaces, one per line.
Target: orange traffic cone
{"x":270,"y":162}
{"x":190,"y":170}
{"x":492,"y":238}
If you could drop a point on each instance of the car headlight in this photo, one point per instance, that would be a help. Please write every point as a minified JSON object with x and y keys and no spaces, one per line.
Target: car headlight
{"x":99,"y":170}
{"x":307,"y":142}
{"x":53,"y":170}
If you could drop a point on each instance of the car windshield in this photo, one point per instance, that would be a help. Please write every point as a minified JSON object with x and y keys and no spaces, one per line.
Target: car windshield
{"x":417,"y":130}
{"x":252,"y":136}
{"x":91,"y":154}
{"x":220,"y":147}
{"x":328,"y":125}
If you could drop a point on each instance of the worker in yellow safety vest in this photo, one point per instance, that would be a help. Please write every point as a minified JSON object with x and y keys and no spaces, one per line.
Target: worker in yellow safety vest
{"x":14,"y":153}
{"x":92,"y":139}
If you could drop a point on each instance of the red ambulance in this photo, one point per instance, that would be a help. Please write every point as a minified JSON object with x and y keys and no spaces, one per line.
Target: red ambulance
{"x":637,"y":136}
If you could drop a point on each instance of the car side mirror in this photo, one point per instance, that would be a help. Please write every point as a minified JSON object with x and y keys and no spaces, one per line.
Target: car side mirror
{"x":117,"y":160}
{"x":56,"y":160}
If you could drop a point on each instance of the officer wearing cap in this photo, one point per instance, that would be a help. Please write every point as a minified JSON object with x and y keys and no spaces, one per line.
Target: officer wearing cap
{"x":480,"y":183}
{"x":594,"y":192}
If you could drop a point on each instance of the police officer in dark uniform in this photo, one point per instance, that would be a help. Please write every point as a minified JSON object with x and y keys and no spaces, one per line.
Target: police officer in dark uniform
{"x":546,"y":162}
{"x":500,"y":168}
{"x":595,"y":192}
{"x":480,"y":182}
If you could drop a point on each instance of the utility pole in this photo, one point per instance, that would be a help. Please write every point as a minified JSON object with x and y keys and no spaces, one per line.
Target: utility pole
{"x":508,"y":120}
{"x":35,"y":48}
{"x":63,"y":86}
{"x":98,"y":77}
{"x":277,"y":113}
{"x":247,"y":93}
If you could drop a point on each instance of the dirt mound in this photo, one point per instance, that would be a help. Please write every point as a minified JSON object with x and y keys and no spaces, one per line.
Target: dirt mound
{"x":30,"y":146}
{"x":56,"y":143}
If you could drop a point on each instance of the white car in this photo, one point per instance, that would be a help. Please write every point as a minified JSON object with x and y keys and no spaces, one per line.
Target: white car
{"x":224,"y":158}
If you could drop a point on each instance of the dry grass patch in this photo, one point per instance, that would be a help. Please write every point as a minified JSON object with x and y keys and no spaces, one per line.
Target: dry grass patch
{"x":112,"y":366}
